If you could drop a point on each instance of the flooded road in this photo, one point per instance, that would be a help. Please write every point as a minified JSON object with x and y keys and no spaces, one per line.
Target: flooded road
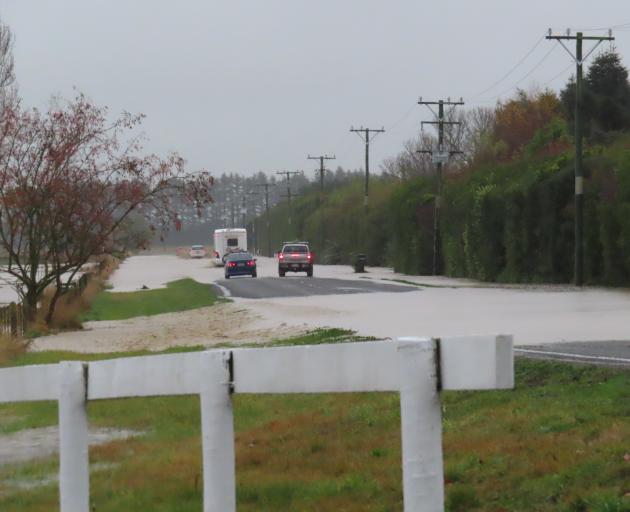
{"x":440,"y":307}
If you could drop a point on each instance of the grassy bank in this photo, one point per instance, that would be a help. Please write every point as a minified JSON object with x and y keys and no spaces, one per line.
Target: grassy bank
{"x":179,"y":295}
{"x":555,"y":443}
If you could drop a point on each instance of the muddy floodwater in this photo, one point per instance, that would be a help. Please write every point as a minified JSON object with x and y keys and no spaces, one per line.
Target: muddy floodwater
{"x":436,"y":307}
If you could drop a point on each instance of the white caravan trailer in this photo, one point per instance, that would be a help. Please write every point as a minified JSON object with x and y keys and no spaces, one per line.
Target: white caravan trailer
{"x":227,"y":241}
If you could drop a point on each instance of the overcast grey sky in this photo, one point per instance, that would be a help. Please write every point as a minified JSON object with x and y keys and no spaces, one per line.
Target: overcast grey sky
{"x":248,"y":85}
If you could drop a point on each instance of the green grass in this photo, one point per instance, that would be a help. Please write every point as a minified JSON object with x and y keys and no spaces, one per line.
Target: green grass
{"x":179,"y":295}
{"x":555,"y":443}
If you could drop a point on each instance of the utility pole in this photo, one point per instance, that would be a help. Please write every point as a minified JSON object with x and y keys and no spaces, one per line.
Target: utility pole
{"x":364,"y":134}
{"x":321,"y":169}
{"x":288,"y":175}
{"x":254,"y":236}
{"x":579,"y":38}
{"x":439,"y":157}
{"x":267,"y":185}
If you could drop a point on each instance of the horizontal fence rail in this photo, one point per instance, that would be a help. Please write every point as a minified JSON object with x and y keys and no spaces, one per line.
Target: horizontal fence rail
{"x":417,"y":368}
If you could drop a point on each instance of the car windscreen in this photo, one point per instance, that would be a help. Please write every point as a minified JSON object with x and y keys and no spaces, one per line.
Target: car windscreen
{"x":241,"y":256}
{"x":295,"y":248}
{"x":197,"y":247}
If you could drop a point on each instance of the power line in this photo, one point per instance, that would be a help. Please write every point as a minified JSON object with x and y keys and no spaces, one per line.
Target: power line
{"x":558,"y":75}
{"x":523,"y":59}
{"x":391,"y":127}
{"x":529,"y":73}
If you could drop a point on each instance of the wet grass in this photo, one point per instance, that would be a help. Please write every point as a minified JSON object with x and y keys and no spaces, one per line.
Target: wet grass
{"x":179,"y":295}
{"x":555,"y":443}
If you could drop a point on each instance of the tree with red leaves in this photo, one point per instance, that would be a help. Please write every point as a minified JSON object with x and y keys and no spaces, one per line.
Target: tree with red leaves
{"x":69,"y":179}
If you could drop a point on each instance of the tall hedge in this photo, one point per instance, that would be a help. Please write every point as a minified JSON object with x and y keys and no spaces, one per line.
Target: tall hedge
{"x":509,"y":222}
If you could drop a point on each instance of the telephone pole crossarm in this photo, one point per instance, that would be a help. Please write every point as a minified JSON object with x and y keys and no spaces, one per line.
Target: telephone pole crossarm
{"x":322,"y":170}
{"x":288,"y":175}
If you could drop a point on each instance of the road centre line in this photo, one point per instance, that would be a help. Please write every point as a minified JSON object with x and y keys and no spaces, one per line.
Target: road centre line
{"x":575,"y":356}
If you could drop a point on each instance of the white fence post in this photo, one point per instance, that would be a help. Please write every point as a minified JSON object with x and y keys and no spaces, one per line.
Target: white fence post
{"x":74,"y":468}
{"x":217,"y":433}
{"x":421,"y":421}
{"x":412,"y":366}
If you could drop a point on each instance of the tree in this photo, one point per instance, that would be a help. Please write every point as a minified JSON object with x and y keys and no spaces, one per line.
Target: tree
{"x":520,"y":118}
{"x":478,"y":127}
{"x":7,"y":73}
{"x":409,"y":163}
{"x":606,"y":97}
{"x":69,"y":180}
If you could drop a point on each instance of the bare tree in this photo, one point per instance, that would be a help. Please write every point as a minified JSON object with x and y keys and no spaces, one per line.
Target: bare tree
{"x":7,"y":72}
{"x":409,"y":163}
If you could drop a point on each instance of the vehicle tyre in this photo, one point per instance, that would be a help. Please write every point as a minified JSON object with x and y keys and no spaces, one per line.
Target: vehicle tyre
{"x":254,"y":274}
{"x":227,"y":276}
{"x":281,"y":273}
{"x":309,"y":272}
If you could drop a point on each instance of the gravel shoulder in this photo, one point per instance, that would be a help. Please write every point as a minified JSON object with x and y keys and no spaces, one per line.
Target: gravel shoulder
{"x":221,"y":323}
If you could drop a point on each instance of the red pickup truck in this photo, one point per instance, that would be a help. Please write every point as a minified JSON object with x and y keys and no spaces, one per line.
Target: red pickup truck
{"x":295,"y":257}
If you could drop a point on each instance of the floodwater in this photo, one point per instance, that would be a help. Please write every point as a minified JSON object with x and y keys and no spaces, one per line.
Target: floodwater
{"x":533,"y":314}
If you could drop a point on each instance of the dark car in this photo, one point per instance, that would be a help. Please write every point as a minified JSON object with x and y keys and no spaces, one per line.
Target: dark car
{"x":240,"y":264}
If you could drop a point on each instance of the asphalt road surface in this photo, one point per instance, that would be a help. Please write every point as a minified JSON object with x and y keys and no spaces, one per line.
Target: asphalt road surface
{"x":601,"y":353}
{"x":298,"y":286}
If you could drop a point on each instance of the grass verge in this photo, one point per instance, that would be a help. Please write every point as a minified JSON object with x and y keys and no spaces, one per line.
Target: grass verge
{"x":179,"y":295}
{"x":556,"y":443}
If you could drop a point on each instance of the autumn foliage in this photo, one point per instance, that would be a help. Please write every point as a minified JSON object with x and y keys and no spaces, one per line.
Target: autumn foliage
{"x":69,"y":179}
{"x":518,"y":120}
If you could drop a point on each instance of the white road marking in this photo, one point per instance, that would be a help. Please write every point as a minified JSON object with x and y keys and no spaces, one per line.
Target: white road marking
{"x":224,"y":290}
{"x":575,"y":356}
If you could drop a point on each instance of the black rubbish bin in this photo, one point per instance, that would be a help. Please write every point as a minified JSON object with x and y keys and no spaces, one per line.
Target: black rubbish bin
{"x":359,"y":263}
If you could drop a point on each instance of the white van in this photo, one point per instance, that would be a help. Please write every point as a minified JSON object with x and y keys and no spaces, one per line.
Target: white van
{"x":227,"y":241}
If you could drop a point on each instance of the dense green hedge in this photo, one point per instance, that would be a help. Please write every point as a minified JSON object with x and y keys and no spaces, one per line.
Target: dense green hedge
{"x":509,"y":222}
{"x":515,"y":222}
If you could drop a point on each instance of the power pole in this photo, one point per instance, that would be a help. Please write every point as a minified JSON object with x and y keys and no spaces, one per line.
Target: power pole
{"x":439,"y":157}
{"x":579,"y":38}
{"x":288,"y":175}
{"x":267,"y":185}
{"x":243,"y":211}
{"x":364,"y":134}
{"x":321,"y":169}
{"x":254,"y":236}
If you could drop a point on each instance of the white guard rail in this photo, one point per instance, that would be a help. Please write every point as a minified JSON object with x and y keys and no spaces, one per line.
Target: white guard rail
{"x":417,"y":368}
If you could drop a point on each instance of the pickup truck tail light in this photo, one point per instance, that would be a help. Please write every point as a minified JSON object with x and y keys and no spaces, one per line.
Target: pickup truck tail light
{"x":310,"y":257}
{"x":281,"y":256}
